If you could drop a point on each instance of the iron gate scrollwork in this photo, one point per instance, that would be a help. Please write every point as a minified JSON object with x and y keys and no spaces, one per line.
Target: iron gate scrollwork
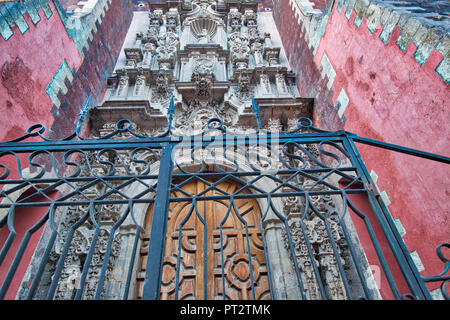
{"x":269,"y":215}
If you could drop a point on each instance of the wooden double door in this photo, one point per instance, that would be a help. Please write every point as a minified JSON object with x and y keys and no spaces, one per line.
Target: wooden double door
{"x":208,"y":260}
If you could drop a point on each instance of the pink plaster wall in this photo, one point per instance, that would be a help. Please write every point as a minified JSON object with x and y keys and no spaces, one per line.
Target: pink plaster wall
{"x":394,"y":99}
{"x":27,"y":64}
{"x":24,"y":219}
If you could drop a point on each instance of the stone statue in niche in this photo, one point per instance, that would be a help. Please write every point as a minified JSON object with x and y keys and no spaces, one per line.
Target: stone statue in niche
{"x":203,"y":77}
{"x":203,"y":37}
{"x":257,"y":49}
{"x":148,"y":50}
{"x":139,"y":85}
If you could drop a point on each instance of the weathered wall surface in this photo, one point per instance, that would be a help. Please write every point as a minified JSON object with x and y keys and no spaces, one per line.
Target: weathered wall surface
{"x":384,"y":74}
{"x":100,"y":56}
{"x":29,"y":58}
{"x":51,"y":61}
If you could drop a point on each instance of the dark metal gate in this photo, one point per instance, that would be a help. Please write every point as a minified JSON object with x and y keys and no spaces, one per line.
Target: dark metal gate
{"x":304,"y":181}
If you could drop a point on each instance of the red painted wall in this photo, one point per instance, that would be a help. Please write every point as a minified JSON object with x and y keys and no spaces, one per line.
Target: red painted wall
{"x":362,"y":226}
{"x":24,"y":219}
{"x":310,"y":82}
{"x":98,"y":64}
{"x":28,"y":63}
{"x":393,"y":99}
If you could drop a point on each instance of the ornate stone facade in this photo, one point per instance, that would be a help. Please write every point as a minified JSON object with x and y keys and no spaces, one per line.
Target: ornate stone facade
{"x":212,"y":58}
{"x":204,"y":54}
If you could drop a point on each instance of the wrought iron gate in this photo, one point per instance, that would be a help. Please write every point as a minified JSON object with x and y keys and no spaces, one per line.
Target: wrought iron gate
{"x":87,"y":200}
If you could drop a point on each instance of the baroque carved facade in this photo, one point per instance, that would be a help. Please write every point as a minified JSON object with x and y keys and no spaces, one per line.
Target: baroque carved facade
{"x":212,"y":58}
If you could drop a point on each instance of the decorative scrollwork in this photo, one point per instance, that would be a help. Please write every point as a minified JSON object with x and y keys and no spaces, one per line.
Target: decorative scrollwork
{"x":442,"y":277}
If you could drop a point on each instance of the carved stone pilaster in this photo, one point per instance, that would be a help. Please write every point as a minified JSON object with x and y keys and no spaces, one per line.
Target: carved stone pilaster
{"x":281,"y":84}
{"x":122,"y":88}
{"x":139,"y":86}
{"x":234,"y":20}
{"x":311,"y":230}
{"x":264,"y":84}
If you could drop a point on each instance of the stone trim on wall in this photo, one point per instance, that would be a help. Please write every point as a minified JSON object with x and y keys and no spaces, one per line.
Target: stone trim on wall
{"x":11,"y":14}
{"x":57,"y":84}
{"x":81,"y":27}
{"x":82,"y":24}
{"x":312,"y":23}
{"x":426,"y":36}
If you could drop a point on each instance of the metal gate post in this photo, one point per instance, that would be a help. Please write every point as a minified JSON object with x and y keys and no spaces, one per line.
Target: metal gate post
{"x":152,"y":282}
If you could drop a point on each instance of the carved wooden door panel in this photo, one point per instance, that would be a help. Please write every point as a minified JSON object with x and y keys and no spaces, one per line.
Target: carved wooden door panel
{"x":208,"y":260}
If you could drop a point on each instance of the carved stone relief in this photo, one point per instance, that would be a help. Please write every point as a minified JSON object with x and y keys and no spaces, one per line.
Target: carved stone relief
{"x":244,"y":90}
{"x":203,"y":76}
{"x":194,"y":115}
{"x":166,"y":51}
{"x":156,"y":20}
{"x":234,"y":20}
{"x":162,"y":90}
{"x":240,"y":49}
{"x":172,"y":20}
